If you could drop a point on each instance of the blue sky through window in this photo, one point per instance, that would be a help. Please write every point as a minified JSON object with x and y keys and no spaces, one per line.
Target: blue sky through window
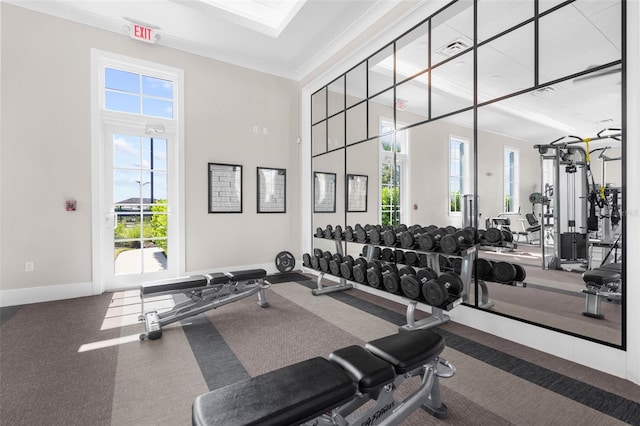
{"x":138,"y":94}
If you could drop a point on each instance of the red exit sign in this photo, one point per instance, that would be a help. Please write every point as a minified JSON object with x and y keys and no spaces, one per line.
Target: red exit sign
{"x":139,"y":32}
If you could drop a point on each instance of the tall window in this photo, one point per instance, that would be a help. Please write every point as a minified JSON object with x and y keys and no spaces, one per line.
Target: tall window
{"x":457,"y":172}
{"x":510,"y":180}
{"x":393,"y":183}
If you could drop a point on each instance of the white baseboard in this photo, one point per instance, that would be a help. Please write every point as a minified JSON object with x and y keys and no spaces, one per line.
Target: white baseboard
{"x":24,"y":296}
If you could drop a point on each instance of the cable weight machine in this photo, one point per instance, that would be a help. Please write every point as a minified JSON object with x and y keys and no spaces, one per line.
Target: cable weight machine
{"x":569,"y":189}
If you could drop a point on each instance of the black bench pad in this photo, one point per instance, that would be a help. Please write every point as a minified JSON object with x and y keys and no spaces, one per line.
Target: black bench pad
{"x":173,"y":284}
{"x":250,"y":274}
{"x":217,"y":278}
{"x":369,"y":371}
{"x":408,"y":350}
{"x":600,"y":276}
{"x":290,"y":395}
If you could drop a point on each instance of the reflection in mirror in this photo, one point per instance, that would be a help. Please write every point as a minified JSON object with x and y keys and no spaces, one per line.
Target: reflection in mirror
{"x":330,"y":163}
{"x":495,"y":16}
{"x":412,"y":53}
{"x":319,"y":138}
{"x":336,"y":96}
{"x":579,"y":36}
{"x":451,"y":31}
{"x":357,"y":84}
{"x":380,"y":107}
{"x":357,"y":123}
{"x":380,"y":70}
{"x":336,"y":131}
{"x":412,"y":100}
{"x":506,"y":64}
{"x":541,"y":193}
{"x":319,"y":105}
{"x":362,"y":159}
{"x":452,"y":85}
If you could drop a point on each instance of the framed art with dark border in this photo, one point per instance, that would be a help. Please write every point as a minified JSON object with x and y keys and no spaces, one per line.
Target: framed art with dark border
{"x":324,"y":196}
{"x":225,"y":188}
{"x":271,"y":190}
{"x":357,"y":190}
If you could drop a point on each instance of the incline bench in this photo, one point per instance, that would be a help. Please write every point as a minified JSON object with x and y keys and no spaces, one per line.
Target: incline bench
{"x":204,"y":292}
{"x":325,"y":392}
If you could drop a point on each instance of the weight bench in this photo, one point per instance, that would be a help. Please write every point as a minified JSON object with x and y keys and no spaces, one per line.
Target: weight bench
{"x":204,"y":292}
{"x":325,"y":392}
{"x":602,"y":282}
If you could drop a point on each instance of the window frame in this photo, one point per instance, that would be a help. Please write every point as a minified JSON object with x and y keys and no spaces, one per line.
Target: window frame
{"x":514,"y":180}
{"x":464,"y":169}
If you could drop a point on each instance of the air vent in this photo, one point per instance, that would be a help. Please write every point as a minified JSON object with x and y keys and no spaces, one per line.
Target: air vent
{"x":543,"y":91}
{"x":453,"y":48}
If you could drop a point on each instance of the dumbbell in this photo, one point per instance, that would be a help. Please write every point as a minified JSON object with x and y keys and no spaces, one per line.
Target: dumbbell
{"x":367,"y":234}
{"x":375,"y":273}
{"x":456,"y":265}
{"x":423,"y":260}
{"x":324,"y":261}
{"x":507,"y":236}
{"x":334,"y":264}
{"x":429,"y":241}
{"x":451,"y":229}
{"x":346,"y":267}
{"x":399,"y":256}
{"x":483,"y":269}
{"x":360,"y":270}
{"x":349,"y":235}
{"x":409,"y":238}
{"x":411,"y":258}
{"x":505,"y":272}
{"x":337,"y":232}
{"x":328,"y":232}
{"x":411,"y":284}
{"x":391,"y":278}
{"x":306,"y":260}
{"x":437,"y":291}
{"x":319,"y":233}
{"x":493,"y":235}
{"x":391,"y":236}
{"x":387,"y":255}
{"x":452,"y":243}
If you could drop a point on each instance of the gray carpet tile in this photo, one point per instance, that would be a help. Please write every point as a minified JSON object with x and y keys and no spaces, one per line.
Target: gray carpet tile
{"x":7,"y":312}
{"x":218,"y":363}
{"x":601,"y":400}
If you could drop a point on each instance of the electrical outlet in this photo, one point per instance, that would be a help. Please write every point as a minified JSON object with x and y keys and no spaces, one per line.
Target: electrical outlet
{"x":29,"y":266}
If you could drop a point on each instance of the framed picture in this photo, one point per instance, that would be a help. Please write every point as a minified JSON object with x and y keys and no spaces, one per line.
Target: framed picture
{"x":324,"y":190}
{"x":272,"y":190}
{"x":357,"y":190}
{"x":225,"y":188}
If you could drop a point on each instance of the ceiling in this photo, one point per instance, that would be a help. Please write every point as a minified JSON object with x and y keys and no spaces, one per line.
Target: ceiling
{"x":311,"y":30}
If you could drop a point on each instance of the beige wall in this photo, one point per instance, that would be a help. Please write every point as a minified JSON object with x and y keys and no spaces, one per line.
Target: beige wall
{"x":46,"y":151}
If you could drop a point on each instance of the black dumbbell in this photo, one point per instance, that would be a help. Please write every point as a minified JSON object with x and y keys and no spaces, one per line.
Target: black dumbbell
{"x":387,"y":255}
{"x":349,"y":235}
{"x":399,"y":256}
{"x":368,"y":234}
{"x":429,"y":241}
{"x":391,"y":278}
{"x":456,"y":265}
{"x":374,"y":274}
{"x":493,"y":235}
{"x":504,"y":272}
{"x":337,"y":232}
{"x":328,"y":232}
{"x":452,"y":243}
{"x":411,"y":258}
{"x":306,"y":260}
{"x":434,"y":293}
{"x":423,"y":260}
{"x":391,"y":236}
{"x":408,"y":239}
{"x":360,"y":270}
{"x":319,"y":233}
{"x":483,"y":269}
{"x":507,"y":236}
{"x":334,"y":264}
{"x":451,"y":229}
{"x":452,"y":282}
{"x":315,"y":262}
{"x":521,"y":273}
{"x":346,"y":267}
{"x":324,"y":261}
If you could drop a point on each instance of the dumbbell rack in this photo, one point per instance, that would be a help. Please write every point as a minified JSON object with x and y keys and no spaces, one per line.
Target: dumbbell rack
{"x":438,"y":315}
{"x":344,"y":284}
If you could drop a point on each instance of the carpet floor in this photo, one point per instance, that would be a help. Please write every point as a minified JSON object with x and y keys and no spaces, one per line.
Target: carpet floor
{"x":80,"y":362}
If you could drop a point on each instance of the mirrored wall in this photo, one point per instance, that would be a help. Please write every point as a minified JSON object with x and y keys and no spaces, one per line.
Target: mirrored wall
{"x":523,"y":112}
